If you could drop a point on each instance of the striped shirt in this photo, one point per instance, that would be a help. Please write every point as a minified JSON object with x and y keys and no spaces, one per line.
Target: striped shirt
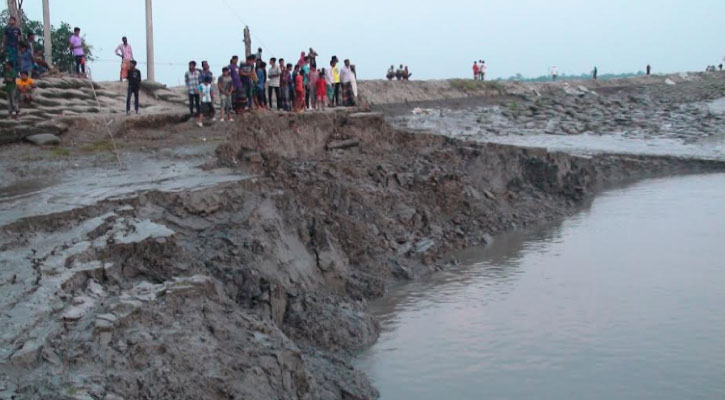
{"x":192,"y":81}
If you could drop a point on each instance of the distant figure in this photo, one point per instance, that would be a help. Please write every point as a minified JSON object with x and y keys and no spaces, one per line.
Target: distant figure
{"x":75,"y":43}
{"x":475,"y":70}
{"x":124,"y":51}
{"x":206,"y":93}
{"x":482,"y":70}
{"x":649,"y":69}
{"x":594,"y":73}
{"x":134,"y":84}
{"x":259,"y":54}
{"x":406,"y":73}
{"x":346,"y":77}
{"x":554,"y":73}
{"x":399,"y":73}
{"x":391,"y":73}
{"x":720,"y":67}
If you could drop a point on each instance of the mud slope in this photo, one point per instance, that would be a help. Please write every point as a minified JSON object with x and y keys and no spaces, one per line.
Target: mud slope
{"x":257,"y":289}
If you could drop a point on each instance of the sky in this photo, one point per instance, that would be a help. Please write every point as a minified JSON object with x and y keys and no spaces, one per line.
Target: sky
{"x":435,"y":39}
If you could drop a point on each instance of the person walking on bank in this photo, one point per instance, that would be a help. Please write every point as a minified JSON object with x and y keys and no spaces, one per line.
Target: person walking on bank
{"x":11,"y":90}
{"x":76,"y":45}
{"x":134,"y":85}
{"x":192,"y":78}
{"x":11,"y":40}
{"x":124,"y":51}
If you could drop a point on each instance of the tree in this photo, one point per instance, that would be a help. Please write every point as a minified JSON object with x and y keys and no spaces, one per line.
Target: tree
{"x":15,"y":8}
{"x":62,"y":57}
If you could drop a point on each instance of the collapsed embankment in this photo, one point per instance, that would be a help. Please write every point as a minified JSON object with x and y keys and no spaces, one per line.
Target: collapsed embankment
{"x":257,"y":289}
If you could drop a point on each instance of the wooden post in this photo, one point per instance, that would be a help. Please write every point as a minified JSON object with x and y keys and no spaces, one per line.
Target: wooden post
{"x":47,"y":41}
{"x":247,"y":42}
{"x":150,"y":73}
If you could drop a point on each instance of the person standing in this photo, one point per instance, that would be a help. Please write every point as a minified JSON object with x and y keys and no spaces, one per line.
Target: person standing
{"x":274,"y":75}
{"x":312,"y":84}
{"x":321,"y":90}
{"x":246,"y":71}
{"x":283,"y":102}
{"x":261,"y":81}
{"x":10,"y":77}
{"x":76,"y":45}
{"x":595,"y":72}
{"x":25,"y":59}
{"x":482,"y":68}
{"x":192,"y":78}
{"x":346,"y":76}
{"x":238,"y":99}
{"x":206,"y":93}
{"x":475,"y":70}
{"x":649,"y":69}
{"x":206,"y":72}
{"x":11,"y":39}
{"x":225,"y":87}
{"x":336,"y":86}
{"x":299,"y":90}
{"x":124,"y":51}
{"x":134,"y":85}
{"x":554,"y":73}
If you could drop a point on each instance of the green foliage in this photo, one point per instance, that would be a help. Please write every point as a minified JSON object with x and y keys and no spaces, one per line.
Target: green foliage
{"x":62,"y":56}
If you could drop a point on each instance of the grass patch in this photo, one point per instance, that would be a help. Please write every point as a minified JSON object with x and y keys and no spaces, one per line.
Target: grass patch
{"x":60,"y":152}
{"x":465,"y":85}
{"x":99,"y":146}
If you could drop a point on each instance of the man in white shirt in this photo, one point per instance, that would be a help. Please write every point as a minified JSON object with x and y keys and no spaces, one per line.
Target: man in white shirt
{"x":125,"y":51}
{"x":273,"y":75}
{"x":554,"y":73}
{"x":346,"y":78}
{"x":482,"y":70}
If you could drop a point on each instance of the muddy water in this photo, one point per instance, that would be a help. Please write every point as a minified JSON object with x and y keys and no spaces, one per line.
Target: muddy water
{"x":623,"y":301}
{"x":85,"y":186}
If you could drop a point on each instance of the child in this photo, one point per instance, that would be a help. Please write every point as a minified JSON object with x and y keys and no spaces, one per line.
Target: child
{"x":284,"y":87}
{"x":261,"y":78}
{"x":299,"y":90}
{"x":26,"y":59}
{"x":321,"y":91}
{"x":314,"y":77}
{"x":206,"y":92}
{"x":293,"y":79}
{"x":225,"y":87}
{"x":11,"y":89}
{"x":25,"y":86}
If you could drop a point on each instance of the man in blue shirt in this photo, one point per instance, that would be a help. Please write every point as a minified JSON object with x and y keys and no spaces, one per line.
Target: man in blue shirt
{"x":11,"y":38}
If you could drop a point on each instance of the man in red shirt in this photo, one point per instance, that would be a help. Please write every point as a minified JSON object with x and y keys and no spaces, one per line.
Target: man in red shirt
{"x":475,"y":70}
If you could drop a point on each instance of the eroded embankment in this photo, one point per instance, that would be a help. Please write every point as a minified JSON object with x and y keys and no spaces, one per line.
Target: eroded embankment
{"x":257,"y":289}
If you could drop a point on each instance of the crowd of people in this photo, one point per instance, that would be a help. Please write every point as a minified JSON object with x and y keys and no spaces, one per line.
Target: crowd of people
{"x":401,"y":74}
{"x":253,"y":84}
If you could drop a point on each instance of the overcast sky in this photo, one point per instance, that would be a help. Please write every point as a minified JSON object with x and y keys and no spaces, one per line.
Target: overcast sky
{"x":436,"y":39}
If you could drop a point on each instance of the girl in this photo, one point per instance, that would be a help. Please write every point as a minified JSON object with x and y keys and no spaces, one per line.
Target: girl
{"x":321,"y":90}
{"x":314,"y":77}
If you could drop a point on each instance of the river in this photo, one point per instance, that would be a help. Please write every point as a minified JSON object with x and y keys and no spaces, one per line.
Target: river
{"x":624,"y":300}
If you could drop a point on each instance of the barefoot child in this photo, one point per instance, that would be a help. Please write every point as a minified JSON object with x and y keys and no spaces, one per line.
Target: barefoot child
{"x":321,"y":92}
{"x":11,"y":90}
{"x":206,"y":92}
{"x":26,"y":84}
{"x":225,"y":87}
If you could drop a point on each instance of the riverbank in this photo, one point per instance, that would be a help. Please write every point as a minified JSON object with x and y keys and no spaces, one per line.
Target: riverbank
{"x":255,"y":286}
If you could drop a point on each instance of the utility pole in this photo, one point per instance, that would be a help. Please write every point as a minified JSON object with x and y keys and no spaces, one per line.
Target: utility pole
{"x":47,"y":41}
{"x":150,"y":75}
{"x":247,"y":42}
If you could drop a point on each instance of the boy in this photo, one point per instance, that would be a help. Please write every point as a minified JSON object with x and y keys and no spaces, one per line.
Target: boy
{"x":292,"y":80}
{"x":261,"y":78}
{"x":25,"y":87}
{"x":11,"y":89}
{"x":206,"y":92}
{"x":25,"y":58}
{"x":192,"y":78}
{"x":224,"y":85}
{"x":274,"y":82}
{"x":134,"y":84}
{"x":246,"y":73}
{"x":284,"y":87}
{"x":321,"y":86}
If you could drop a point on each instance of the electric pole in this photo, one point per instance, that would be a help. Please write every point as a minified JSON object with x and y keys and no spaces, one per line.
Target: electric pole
{"x":47,"y":41}
{"x":150,"y":75}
